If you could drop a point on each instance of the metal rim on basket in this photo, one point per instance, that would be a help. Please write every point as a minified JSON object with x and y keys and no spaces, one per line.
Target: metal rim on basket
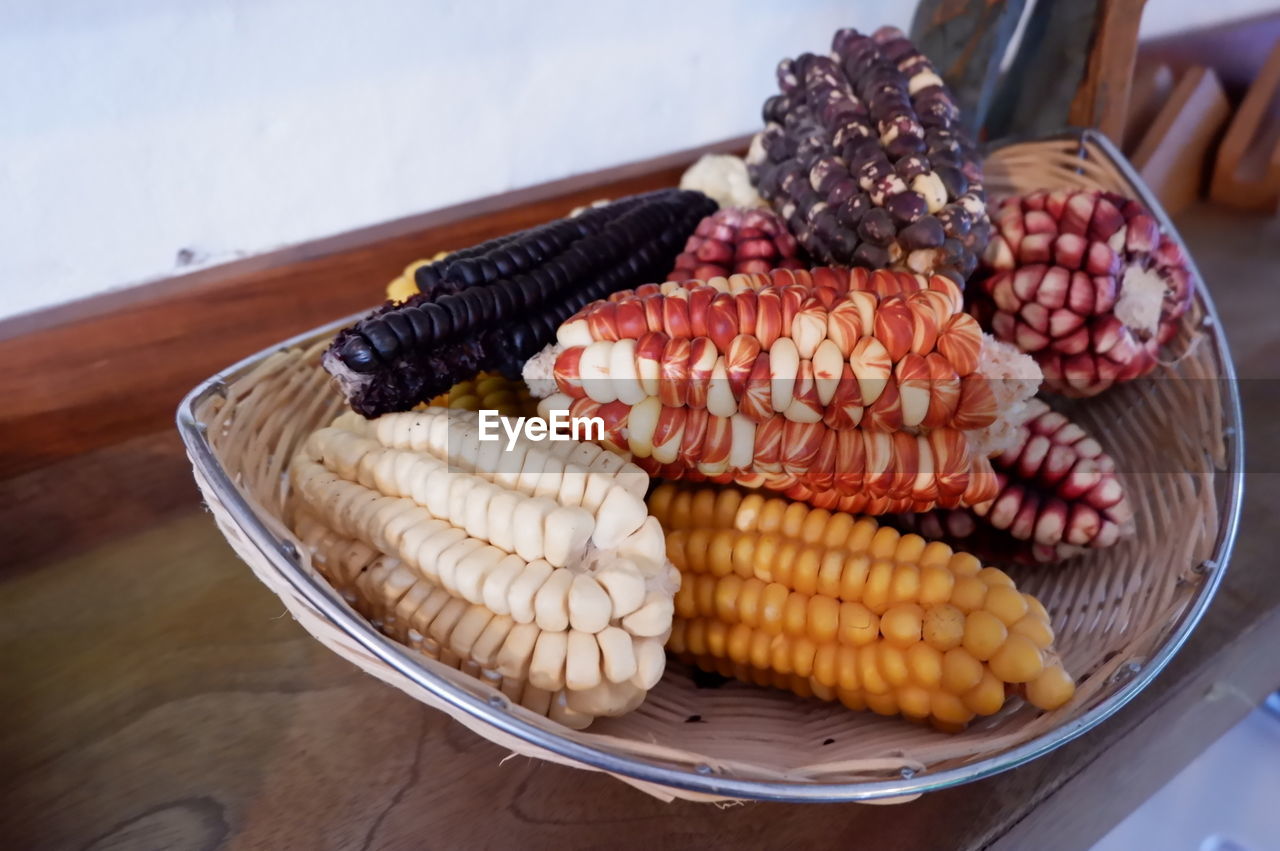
{"x":699,"y":778}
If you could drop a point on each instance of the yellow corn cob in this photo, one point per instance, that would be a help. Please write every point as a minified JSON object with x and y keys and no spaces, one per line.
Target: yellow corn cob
{"x":489,"y":392}
{"x":404,"y":286}
{"x":841,"y":608}
{"x":537,"y":561}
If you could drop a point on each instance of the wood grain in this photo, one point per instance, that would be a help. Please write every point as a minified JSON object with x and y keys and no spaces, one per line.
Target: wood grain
{"x":155,"y":695}
{"x":1102,"y":100}
{"x":1246,"y":175}
{"x":1175,"y":155}
{"x":115,"y":366}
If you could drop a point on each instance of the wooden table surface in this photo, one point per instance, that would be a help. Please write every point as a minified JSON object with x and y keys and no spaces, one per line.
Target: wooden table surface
{"x":156,"y":696}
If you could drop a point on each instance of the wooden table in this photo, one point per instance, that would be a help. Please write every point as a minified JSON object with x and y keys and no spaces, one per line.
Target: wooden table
{"x":155,"y":695}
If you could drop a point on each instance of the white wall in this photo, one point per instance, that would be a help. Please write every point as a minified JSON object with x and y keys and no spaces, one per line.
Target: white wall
{"x":132,"y":130}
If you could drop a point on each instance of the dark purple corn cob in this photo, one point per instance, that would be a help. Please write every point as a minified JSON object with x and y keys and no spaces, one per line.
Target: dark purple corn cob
{"x":1059,"y":496}
{"x":492,"y":306}
{"x":863,"y":155}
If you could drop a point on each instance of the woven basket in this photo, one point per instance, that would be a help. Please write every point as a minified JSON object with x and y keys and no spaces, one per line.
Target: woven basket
{"x":1120,"y":613}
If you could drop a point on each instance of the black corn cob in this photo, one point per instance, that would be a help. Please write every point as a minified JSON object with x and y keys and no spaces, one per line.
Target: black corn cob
{"x":494,"y":305}
{"x":863,"y":154}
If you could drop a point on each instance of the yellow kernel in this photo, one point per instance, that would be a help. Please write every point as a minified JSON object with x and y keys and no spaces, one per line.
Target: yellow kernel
{"x":804,"y":573}
{"x":960,"y":671}
{"x":1051,"y":689}
{"x":815,"y":522}
{"x":836,"y":533}
{"x":793,"y":519}
{"x":761,"y":646}
{"x":913,"y":701}
{"x":852,"y":699}
{"x":987,"y":696}
{"x":943,"y":627}
{"x":679,"y":515}
{"x":825,"y":665}
{"x":686,"y":601}
{"x":1017,"y":661}
{"x":1036,"y":607}
{"x":771,"y":512}
{"x":858,"y":625}
{"x":861,"y":534}
{"x":780,"y":654}
{"x":660,"y":503}
{"x":465,"y":403}
{"x":784,"y":562}
{"x":727,"y":502}
{"x":847,"y":668}
{"x":727,"y":598}
{"x":963,"y":564}
{"x":969,"y":594}
{"x":853,"y":578}
{"x":994,"y":576}
{"x":875,"y":592}
{"x":720,"y":552}
{"x":747,"y":518}
{"x":1040,"y":633}
{"x":823,"y":619}
{"x":881,"y":704}
{"x":676,"y":541}
{"x":869,"y":672}
{"x":884,"y":543}
{"x":704,"y":594}
{"x":1005,"y":603}
{"x":802,"y":653}
{"x":983,"y":634}
{"x":901,"y":625}
{"x":744,"y":556}
{"x":739,"y":643}
{"x":909,"y":550}
{"x":695,"y":636}
{"x":936,"y":584}
{"x":717,"y":638}
{"x":773,"y":603}
{"x":925,"y":663}
{"x":695,"y":549}
{"x":948,"y":708}
{"x":905,"y":585}
{"x":703,"y":510}
{"x":936,"y":554}
{"x":795,"y":614}
{"x":892,"y":662}
{"x":766,"y":556}
{"x":829,"y":573}
{"x":749,"y":600}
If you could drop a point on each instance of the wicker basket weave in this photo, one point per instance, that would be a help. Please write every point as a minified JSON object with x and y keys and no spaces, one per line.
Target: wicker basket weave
{"x":1119,"y":613}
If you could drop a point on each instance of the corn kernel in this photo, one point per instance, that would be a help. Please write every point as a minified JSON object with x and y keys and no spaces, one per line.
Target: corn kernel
{"x":1051,"y":689}
{"x":901,"y":624}
{"x":1005,"y":603}
{"x":983,"y":634}
{"x":1017,"y":661}
{"x":943,"y":627}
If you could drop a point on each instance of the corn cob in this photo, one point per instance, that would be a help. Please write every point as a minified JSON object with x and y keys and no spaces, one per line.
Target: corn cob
{"x":549,"y":544}
{"x":425,"y":618}
{"x":737,"y":240}
{"x":724,"y":179}
{"x":494,"y":305}
{"x":1058,"y":496}
{"x":826,"y":604}
{"x":843,"y":347}
{"x":405,"y":285}
{"x":1086,"y":283}
{"x":863,"y":155}
{"x":489,"y":392}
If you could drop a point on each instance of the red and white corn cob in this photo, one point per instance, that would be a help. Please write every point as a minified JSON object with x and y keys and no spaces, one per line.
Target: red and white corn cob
{"x":882,"y":351}
{"x":737,"y":240}
{"x":1086,"y":283}
{"x":1058,"y":494}
{"x":853,"y":469}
